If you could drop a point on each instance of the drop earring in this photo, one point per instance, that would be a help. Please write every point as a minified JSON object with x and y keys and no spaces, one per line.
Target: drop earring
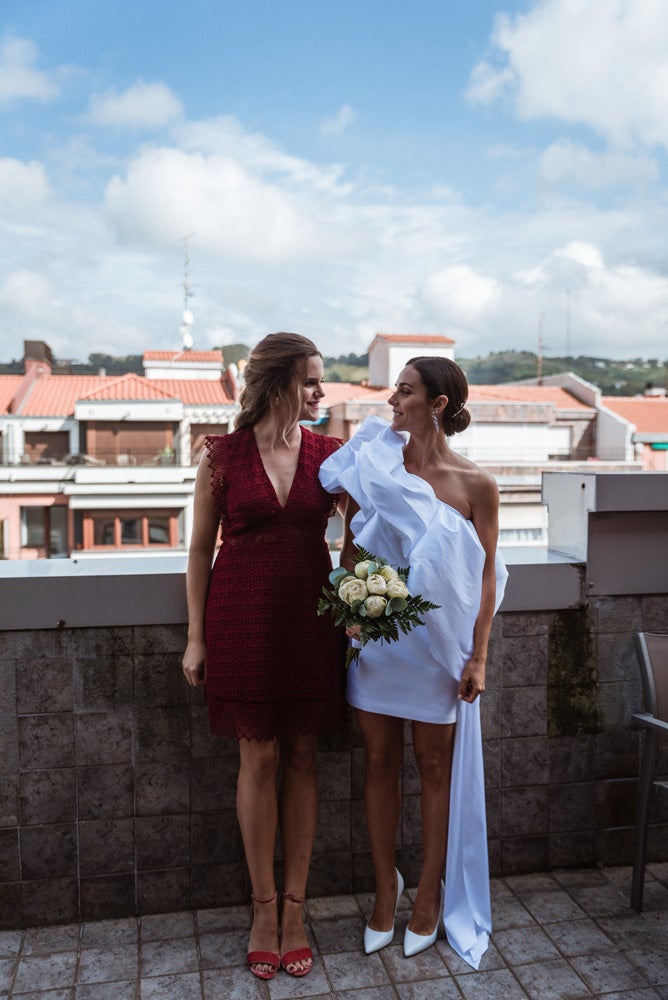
{"x":435,"y":420}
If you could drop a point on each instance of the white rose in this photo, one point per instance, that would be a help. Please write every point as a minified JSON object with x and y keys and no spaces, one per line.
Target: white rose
{"x":388,"y":573}
{"x":375,"y":606}
{"x":352,"y":589}
{"x":362,"y":569}
{"x":376,"y":584}
{"x":396,"y":588}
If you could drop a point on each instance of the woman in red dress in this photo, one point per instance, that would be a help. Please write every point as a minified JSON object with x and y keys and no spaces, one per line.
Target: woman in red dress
{"x":272,"y":668}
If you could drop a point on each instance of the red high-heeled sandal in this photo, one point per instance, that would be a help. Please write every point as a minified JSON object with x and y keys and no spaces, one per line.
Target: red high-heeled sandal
{"x":256,"y":959}
{"x":296,"y":955}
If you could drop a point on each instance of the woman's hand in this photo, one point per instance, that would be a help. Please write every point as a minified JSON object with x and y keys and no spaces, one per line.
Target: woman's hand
{"x":353,"y":631}
{"x":473,"y":680}
{"x":194,"y":662}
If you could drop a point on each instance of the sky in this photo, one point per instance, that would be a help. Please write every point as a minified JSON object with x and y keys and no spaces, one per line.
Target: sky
{"x":492,"y":171}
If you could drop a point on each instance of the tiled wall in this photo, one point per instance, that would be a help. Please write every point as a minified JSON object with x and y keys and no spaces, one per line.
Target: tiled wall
{"x":114,"y":799}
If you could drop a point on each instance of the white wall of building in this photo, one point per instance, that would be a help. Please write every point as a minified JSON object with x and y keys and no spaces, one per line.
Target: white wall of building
{"x":386,"y":359}
{"x":494,"y":442}
{"x":614,"y":436}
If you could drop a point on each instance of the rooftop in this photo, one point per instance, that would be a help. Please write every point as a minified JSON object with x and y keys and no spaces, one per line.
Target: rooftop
{"x":648,"y":414}
{"x":414,"y":338}
{"x":184,"y":356}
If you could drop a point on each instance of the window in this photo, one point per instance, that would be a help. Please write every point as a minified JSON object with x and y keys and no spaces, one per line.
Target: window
{"x":130,"y":529}
{"x":45,"y":528}
{"x":522,"y":536}
{"x":559,"y":441}
{"x":44,"y":447}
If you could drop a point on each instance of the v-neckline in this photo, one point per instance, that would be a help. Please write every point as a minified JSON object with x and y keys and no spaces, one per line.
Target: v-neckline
{"x":282,"y":506}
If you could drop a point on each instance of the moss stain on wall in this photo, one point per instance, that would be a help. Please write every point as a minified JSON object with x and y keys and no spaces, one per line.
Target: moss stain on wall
{"x":571,"y":692}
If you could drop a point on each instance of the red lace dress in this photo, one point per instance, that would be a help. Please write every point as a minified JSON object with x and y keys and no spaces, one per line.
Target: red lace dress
{"x":274,"y":667}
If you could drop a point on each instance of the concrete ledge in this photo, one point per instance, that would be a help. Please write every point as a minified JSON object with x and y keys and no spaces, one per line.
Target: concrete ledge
{"x":150,"y":590}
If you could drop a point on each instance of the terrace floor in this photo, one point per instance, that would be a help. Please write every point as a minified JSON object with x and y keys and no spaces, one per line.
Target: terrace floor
{"x":559,"y":936}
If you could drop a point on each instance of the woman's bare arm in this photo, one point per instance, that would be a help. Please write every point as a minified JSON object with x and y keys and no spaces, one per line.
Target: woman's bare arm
{"x":200,"y":556}
{"x":348,"y":547}
{"x":485,"y":517}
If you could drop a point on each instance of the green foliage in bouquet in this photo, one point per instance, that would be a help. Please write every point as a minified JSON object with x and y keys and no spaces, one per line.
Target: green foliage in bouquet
{"x":376,"y":598}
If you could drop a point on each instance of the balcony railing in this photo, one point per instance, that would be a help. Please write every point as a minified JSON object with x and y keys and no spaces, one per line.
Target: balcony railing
{"x":166,"y":456}
{"x":501,"y":457}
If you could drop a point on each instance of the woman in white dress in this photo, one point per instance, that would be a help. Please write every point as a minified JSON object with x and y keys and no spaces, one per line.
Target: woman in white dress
{"x":414,"y":501}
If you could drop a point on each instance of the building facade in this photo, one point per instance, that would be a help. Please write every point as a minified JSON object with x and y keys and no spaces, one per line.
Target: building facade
{"x":104,"y":465}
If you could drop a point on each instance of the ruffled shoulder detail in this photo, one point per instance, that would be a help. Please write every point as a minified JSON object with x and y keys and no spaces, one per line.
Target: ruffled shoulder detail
{"x":334,"y":470}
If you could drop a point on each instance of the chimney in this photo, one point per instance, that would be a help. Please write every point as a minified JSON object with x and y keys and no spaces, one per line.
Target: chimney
{"x":36,"y":364}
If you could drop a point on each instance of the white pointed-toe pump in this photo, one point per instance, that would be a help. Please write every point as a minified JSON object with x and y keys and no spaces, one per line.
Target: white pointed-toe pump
{"x":415,"y":943}
{"x":375,"y":940}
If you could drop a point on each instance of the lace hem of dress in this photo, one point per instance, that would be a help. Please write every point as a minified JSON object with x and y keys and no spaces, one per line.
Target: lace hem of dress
{"x":273,"y":720}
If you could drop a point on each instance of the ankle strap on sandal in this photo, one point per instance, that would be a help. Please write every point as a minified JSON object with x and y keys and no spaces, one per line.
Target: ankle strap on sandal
{"x":292,"y":898}
{"x":269,"y":899}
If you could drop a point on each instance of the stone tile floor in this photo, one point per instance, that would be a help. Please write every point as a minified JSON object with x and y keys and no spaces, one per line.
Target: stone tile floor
{"x":567,"y":934}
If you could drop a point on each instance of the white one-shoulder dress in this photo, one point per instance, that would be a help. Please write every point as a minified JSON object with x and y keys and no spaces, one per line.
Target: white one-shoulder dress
{"x":402,"y":520}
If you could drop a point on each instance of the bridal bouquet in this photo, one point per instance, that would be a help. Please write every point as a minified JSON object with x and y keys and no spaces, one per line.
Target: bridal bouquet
{"x":376,"y":598}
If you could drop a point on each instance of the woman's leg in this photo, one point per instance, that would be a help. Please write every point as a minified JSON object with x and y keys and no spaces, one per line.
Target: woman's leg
{"x":383,"y":749}
{"x":298,"y":816}
{"x":257,"y":812}
{"x":433,"y":745}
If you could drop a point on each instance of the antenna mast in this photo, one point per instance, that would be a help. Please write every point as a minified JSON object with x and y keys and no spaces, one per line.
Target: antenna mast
{"x":187,"y":318}
{"x":539,"y":358}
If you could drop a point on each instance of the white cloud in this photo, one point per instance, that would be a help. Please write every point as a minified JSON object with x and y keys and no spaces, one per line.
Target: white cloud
{"x":142,"y":106}
{"x":587,"y":256}
{"x":281,"y":241}
{"x":19,"y":75}
{"x":615,"y":309}
{"x":22,"y":185}
{"x":569,"y":161}
{"x":339,"y":123}
{"x":603,"y":64}
{"x":225,"y":136}
{"x":168,"y":193}
{"x":459,"y":294}
{"x":27,"y":293}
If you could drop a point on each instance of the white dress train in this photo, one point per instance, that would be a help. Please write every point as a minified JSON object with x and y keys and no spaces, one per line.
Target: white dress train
{"x":401,"y":519}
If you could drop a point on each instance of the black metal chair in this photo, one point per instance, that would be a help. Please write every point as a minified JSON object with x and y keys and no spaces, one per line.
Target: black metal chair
{"x":652,"y":650}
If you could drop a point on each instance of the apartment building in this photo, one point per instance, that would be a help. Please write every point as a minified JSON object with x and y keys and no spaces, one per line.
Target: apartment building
{"x":105,"y":464}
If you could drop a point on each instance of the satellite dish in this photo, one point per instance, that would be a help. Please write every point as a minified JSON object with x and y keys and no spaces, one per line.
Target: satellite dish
{"x":188,"y":317}
{"x":187,"y":339}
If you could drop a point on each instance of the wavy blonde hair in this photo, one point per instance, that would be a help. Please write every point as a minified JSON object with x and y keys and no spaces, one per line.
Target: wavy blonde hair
{"x":273,"y":376}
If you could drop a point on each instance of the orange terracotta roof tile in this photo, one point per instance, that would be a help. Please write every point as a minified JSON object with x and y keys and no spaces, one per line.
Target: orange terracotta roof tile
{"x":561,"y":398}
{"x":344,"y":392}
{"x":56,"y":395}
{"x":130,"y":387}
{"x":349,"y":392}
{"x":195,"y":392}
{"x":649,"y":415}
{"x":185,"y":356}
{"x":414,"y":338}
{"x":9,"y":385}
